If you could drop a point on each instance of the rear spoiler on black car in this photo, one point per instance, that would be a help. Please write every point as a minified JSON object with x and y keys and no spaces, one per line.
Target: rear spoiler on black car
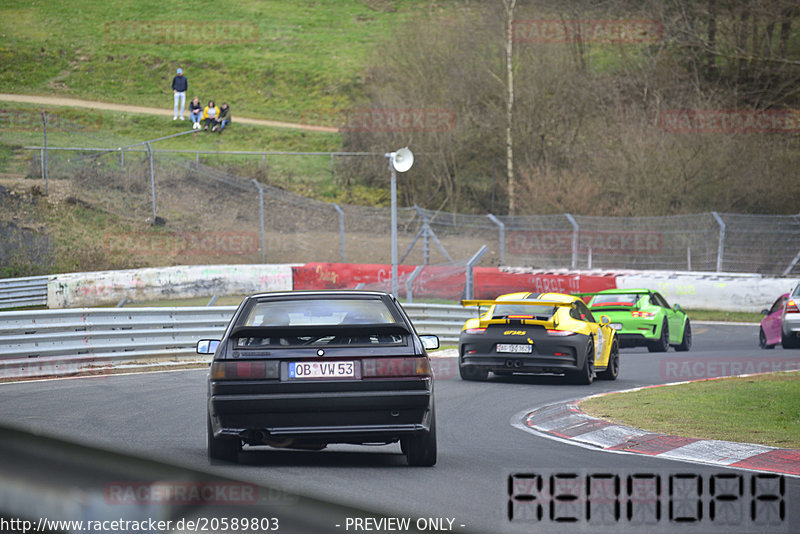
{"x":319,"y":330}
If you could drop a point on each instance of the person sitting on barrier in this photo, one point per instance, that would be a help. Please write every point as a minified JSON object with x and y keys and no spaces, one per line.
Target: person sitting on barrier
{"x":209,"y":114}
{"x":195,"y":112}
{"x":222,"y":119}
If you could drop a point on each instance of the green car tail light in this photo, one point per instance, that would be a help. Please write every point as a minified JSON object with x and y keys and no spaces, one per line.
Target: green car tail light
{"x":637,"y":313}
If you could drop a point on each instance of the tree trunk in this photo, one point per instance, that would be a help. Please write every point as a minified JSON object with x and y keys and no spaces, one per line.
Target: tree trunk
{"x":509,"y":5}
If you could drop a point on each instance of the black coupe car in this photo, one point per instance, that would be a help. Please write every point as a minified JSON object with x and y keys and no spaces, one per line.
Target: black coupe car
{"x":303,"y":369}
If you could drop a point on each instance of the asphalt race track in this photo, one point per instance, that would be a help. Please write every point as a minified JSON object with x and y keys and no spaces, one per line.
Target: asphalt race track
{"x":162,"y":416}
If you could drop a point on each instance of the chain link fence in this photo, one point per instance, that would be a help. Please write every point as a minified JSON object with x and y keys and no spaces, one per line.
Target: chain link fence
{"x":241,"y":220}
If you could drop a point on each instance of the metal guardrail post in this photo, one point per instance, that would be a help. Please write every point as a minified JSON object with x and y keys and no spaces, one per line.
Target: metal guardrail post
{"x":341,"y":227}
{"x":721,"y":247}
{"x":575,"y":230}
{"x":469,"y":289}
{"x":502,"y":227}
{"x":410,"y":282}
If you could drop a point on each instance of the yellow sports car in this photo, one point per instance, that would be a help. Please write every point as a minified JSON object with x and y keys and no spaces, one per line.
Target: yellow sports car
{"x":537,"y":333}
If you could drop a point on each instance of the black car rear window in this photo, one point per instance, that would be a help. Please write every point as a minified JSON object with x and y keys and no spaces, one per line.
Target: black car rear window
{"x":318,"y":312}
{"x":319,"y":322}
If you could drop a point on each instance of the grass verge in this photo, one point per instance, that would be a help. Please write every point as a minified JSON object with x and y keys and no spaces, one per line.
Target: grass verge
{"x":762,"y":409}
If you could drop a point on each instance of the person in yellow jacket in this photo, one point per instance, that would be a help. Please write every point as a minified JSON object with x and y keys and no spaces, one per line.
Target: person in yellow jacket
{"x":210,"y":113}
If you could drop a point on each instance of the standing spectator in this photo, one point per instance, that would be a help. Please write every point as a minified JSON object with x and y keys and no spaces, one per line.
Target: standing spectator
{"x":179,"y":86}
{"x":209,"y":114}
{"x":223,"y":119}
{"x":195,"y":112}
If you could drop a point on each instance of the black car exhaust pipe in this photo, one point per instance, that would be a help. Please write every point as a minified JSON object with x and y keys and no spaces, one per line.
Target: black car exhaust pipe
{"x":517,"y":363}
{"x":509,"y":363}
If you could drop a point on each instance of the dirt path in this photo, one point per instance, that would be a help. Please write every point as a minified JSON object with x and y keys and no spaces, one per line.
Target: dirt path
{"x":78,"y":103}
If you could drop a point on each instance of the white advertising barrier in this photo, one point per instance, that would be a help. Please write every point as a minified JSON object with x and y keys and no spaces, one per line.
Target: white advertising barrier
{"x":712,"y":291}
{"x":76,"y":290}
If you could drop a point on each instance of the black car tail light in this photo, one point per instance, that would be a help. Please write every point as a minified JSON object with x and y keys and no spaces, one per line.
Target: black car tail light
{"x":245,"y":370}
{"x":395,"y":367}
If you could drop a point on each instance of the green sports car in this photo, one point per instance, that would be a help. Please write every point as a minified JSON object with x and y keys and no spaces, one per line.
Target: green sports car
{"x":642,"y":317}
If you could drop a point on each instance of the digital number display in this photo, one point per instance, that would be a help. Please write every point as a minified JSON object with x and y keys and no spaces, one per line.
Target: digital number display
{"x":735,"y":502}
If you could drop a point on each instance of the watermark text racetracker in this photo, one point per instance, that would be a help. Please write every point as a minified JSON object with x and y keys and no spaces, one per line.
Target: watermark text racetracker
{"x":728,"y":121}
{"x":587,"y":31}
{"x":180,"y":32}
{"x":694,"y":369}
{"x":32,"y":121}
{"x":192,"y":243}
{"x":383,"y":120}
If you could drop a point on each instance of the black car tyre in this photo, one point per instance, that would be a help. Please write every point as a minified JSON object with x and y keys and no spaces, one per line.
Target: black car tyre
{"x":686,"y":340}
{"x":662,"y":343}
{"x":789,"y":342}
{"x":221,"y":449}
{"x":473,"y":373}
{"x":612,"y":370}
{"x":762,"y":340}
{"x":420,"y":449}
{"x":585,"y":375}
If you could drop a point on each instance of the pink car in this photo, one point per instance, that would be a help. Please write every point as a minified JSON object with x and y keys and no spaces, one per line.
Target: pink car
{"x":778,"y":324}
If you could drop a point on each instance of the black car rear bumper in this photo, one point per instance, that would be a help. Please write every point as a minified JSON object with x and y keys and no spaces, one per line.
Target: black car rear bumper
{"x":349,"y":412}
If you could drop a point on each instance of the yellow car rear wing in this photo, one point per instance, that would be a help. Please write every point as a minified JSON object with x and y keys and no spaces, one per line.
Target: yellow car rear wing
{"x":551,"y":323}
{"x":523,"y":302}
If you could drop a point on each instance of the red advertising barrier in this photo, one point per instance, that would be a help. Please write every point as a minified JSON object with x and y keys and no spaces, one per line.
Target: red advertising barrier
{"x":491,"y":282}
{"x":437,"y":281}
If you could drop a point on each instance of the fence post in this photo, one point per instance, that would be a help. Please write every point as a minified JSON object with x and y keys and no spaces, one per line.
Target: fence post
{"x":44,"y":154}
{"x":689,"y":259}
{"x":469,"y":289}
{"x":502,"y":227}
{"x":341,"y":228}
{"x":721,"y":247}
{"x":575,"y":229}
{"x":122,"y":158}
{"x":152,"y":180}
{"x":261,"y":218}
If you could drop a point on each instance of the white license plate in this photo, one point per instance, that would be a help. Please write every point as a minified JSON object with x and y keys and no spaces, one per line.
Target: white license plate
{"x":616,"y":326}
{"x":322,"y":369}
{"x":513,"y":347}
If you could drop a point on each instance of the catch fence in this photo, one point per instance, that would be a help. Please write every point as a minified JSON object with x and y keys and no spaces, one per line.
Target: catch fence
{"x":195,"y":203}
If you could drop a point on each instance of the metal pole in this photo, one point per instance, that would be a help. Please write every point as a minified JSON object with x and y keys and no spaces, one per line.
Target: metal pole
{"x":261,"y":218}
{"x":41,"y":160}
{"x":341,"y":228}
{"x":589,"y":260}
{"x":394,"y":223}
{"x":44,"y":154}
{"x":689,"y":258}
{"x":575,"y":229}
{"x":469,"y":290}
{"x":333,"y":175}
{"x":502,"y":227}
{"x":426,"y":237}
{"x":152,"y":180}
{"x":410,"y":282}
{"x":721,"y":246}
{"x":122,"y":158}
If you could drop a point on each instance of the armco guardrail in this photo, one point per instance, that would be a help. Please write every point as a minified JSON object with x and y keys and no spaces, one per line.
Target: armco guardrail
{"x":66,"y":342}
{"x":20,"y":292}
